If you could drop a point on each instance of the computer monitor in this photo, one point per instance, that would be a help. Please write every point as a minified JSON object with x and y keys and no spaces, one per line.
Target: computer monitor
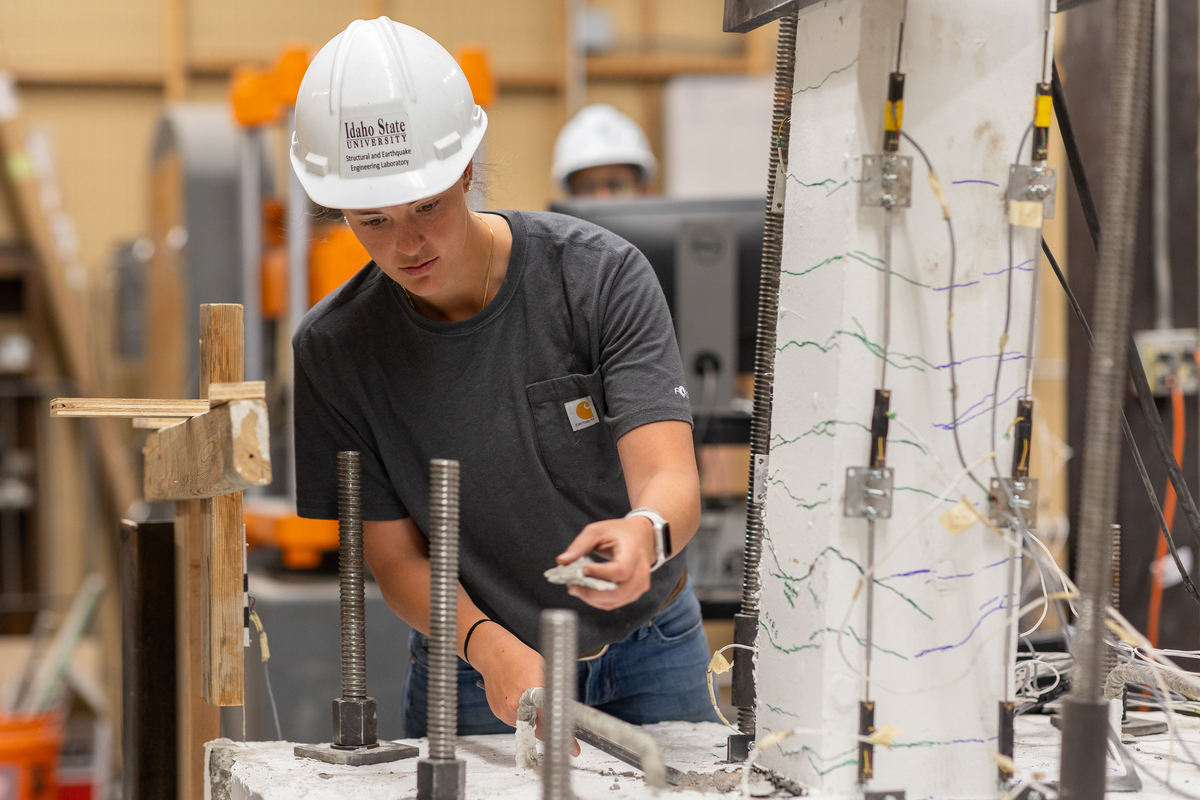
{"x":707,"y":256}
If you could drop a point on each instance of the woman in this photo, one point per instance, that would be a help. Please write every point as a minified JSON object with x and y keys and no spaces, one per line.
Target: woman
{"x":535,"y":349}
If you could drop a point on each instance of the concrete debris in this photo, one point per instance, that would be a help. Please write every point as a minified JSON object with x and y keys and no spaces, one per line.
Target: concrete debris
{"x":573,"y":574}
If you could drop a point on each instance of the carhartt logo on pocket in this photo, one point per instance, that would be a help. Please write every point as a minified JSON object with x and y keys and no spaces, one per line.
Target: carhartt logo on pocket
{"x":581,"y":413}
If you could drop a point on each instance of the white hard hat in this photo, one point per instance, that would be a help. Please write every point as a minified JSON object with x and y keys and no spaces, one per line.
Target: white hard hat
{"x":599,"y":135}
{"x":384,"y":117}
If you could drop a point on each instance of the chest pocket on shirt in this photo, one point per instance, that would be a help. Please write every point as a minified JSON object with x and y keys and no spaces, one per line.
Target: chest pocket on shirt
{"x":576,"y":445}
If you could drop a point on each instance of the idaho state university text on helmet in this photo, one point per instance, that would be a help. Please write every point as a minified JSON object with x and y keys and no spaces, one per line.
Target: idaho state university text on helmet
{"x":377,"y":145}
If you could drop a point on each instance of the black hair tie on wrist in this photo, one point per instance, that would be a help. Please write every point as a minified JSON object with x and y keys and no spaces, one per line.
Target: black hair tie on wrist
{"x":467,"y":641}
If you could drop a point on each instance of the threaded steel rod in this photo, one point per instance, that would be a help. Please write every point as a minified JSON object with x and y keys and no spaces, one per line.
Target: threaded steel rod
{"x":442,"y":720}
{"x":768,"y":314}
{"x":1084,"y":709}
{"x":350,"y":574}
{"x":768,"y":305}
{"x":1114,"y":598}
{"x":1106,"y":376}
{"x":559,"y":639}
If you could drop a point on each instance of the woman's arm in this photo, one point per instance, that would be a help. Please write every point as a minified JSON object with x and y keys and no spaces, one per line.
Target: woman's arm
{"x":659,"y":461}
{"x":399,"y":559}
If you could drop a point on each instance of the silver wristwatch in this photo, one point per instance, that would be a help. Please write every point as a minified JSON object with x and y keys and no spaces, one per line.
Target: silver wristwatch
{"x":662,"y":534}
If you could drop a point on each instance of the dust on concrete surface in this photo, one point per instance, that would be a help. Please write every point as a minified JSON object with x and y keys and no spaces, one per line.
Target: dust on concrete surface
{"x":763,"y":783}
{"x":710,"y":782}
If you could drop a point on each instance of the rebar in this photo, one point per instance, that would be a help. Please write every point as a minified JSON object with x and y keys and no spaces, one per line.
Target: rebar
{"x":559,"y":640}
{"x":350,"y":574}
{"x":442,"y":720}
{"x":628,"y":737}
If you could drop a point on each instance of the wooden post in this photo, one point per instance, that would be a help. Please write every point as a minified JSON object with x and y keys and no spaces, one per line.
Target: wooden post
{"x":175,"y":54}
{"x":221,"y":361}
{"x":197,"y":721}
{"x":220,"y":446}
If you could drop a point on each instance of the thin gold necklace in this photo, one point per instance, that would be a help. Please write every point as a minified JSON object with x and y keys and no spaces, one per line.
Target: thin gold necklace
{"x":487,"y":283}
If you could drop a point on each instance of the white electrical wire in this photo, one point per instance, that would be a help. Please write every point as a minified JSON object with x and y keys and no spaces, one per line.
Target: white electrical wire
{"x":869,"y":574}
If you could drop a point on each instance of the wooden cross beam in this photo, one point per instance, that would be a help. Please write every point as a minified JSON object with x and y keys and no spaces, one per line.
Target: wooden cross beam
{"x":205,"y":453}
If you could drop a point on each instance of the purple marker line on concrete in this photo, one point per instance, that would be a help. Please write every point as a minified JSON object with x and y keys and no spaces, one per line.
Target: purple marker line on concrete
{"x":1011,"y":355}
{"x":1020,"y":266}
{"x":966,"y":639}
{"x":967,"y":416}
{"x":955,"y":286}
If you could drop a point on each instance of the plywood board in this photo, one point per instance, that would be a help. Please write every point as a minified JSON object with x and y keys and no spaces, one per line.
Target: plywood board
{"x":123,"y":407}
{"x":116,"y":33}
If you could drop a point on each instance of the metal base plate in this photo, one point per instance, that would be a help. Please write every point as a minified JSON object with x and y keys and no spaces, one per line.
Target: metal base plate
{"x":738,"y":747}
{"x":1140,"y":726}
{"x":381,"y":753}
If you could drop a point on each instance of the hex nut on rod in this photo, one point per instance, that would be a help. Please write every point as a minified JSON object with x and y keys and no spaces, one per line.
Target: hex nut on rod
{"x":559,"y":640}
{"x":355,"y":741}
{"x":441,"y":776}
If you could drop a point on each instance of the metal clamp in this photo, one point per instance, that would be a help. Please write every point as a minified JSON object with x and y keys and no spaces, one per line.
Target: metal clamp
{"x":1031,"y":194}
{"x":887,"y":181}
{"x":868,"y":492}
{"x":1024,"y":493}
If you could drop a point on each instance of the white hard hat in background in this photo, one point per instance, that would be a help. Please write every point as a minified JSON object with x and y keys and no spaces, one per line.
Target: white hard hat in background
{"x":599,"y":135}
{"x":384,"y":116}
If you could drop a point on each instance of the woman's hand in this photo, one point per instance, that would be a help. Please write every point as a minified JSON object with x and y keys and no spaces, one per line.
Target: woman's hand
{"x":508,"y":668}
{"x":660,"y":473}
{"x":629,"y":543}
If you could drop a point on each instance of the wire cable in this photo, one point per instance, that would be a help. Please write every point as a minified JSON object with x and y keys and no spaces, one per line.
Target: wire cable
{"x":1136,"y":370}
{"x":1178,"y":432}
{"x":1133,"y":448}
{"x":1011,"y":621}
{"x":936,"y":185}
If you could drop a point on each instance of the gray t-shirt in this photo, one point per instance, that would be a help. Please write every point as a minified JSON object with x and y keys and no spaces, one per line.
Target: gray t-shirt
{"x":530,"y":395}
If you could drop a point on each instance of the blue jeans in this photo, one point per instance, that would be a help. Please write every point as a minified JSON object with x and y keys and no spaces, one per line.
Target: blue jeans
{"x":655,"y":674}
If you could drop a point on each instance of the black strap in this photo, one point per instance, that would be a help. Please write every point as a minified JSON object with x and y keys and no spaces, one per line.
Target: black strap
{"x":467,"y":641}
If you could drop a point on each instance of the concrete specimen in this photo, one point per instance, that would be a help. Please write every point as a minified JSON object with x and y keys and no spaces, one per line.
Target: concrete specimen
{"x":944,"y":597}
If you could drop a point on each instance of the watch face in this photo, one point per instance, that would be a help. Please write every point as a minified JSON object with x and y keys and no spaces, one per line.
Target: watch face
{"x":666,"y":536}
